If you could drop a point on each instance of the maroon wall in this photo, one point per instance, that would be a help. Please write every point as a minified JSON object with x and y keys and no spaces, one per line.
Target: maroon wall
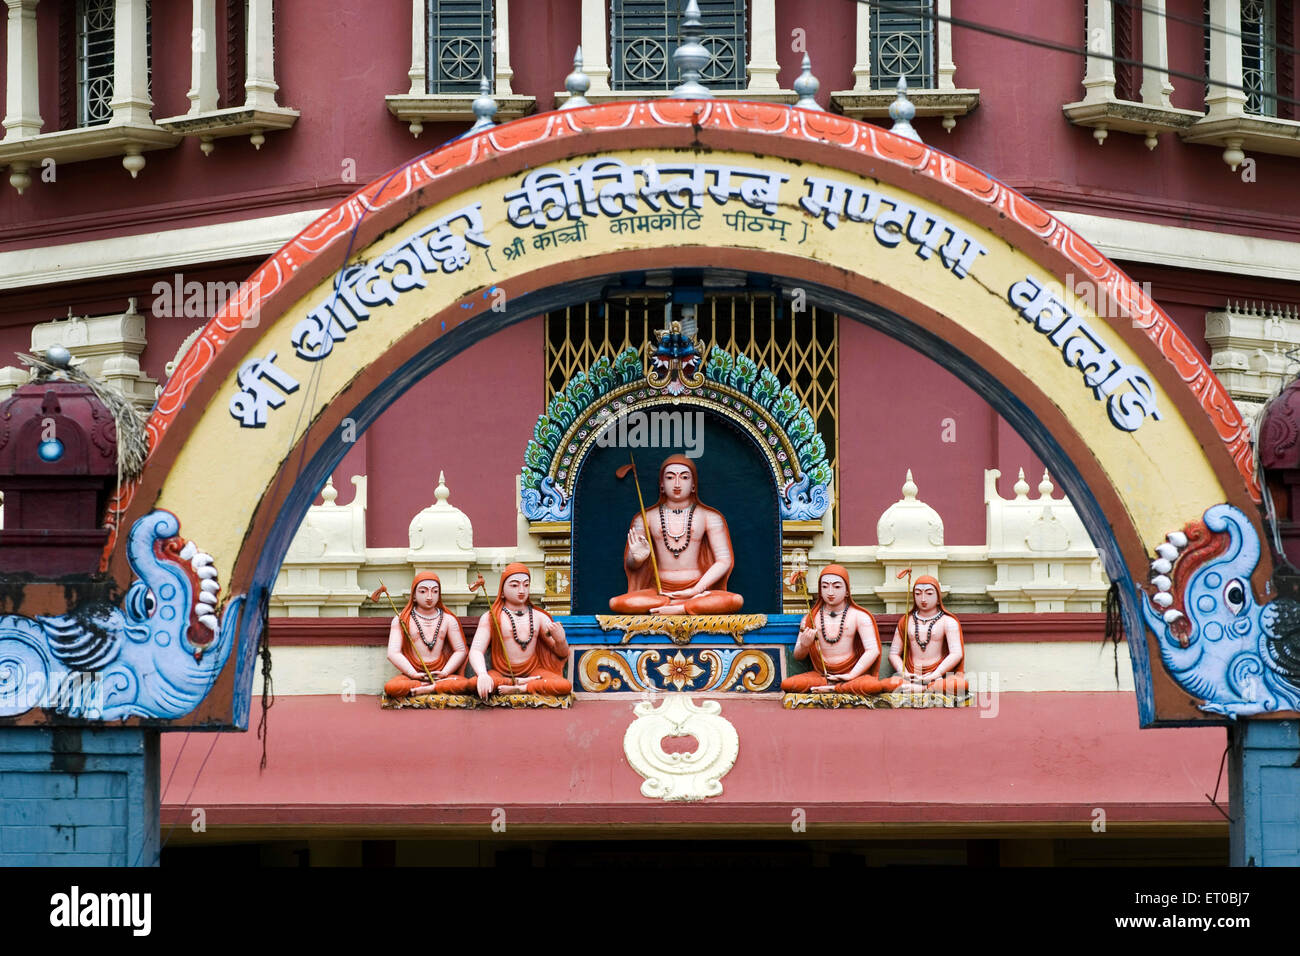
{"x":472,"y":417}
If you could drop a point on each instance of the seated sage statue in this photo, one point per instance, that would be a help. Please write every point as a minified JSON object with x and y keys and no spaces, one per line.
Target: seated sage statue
{"x":842,"y":639}
{"x":927,"y":650}
{"x":525,"y":645}
{"x":425,"y":643}
{"x":692,"y":552}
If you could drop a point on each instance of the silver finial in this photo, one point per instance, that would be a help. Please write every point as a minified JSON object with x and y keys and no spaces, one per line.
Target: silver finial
{"x":691,"y":57}
{"x":58,"y":356}
{"x":577,"y":83}
{"x":807,"y":85}
{"x":484,"y":106}
{"x":901,"y":111}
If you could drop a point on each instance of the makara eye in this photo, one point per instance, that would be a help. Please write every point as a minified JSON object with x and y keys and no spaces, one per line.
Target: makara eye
{"x":1234,"y":595}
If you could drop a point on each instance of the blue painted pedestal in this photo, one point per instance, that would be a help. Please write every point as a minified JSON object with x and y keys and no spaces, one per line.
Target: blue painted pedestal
{"x":78,"y":797}
{"x":1264,"y":776}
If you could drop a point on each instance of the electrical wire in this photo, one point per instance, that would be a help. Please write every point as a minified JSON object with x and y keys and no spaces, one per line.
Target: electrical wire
{"x":977,"y":27}
{"x":1200,"y":24}
{"x":310,"y":394}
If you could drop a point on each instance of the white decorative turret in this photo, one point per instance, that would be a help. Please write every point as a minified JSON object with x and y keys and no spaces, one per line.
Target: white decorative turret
{"x":318,"y":577}
{"x":909,"y":524}
{"x":442,"y":540}
{"x":910,"y":533}
{"x":441,"y":531}
{"x":1044,"y":559}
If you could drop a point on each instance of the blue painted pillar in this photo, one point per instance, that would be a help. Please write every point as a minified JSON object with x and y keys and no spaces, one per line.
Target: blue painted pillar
{"x":73,"y":796}
{"x":1264,"y":780}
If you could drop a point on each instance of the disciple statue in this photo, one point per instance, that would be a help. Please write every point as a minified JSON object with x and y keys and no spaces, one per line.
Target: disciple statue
{"x":425,"y":643}
{"x":692,"y":556}
{"x":526,"y":645}
{"x":842,"y":639}
{"x":927,"y":650}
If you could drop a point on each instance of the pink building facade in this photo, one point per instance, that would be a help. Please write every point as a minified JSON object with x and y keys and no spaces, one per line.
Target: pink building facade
{"x":1206,"y":218}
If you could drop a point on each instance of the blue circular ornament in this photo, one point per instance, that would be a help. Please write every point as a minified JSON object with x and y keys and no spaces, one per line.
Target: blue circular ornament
{"x":51,"y":450}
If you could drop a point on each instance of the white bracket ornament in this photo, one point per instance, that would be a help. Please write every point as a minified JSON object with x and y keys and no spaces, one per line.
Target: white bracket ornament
{"x":681,"y":776}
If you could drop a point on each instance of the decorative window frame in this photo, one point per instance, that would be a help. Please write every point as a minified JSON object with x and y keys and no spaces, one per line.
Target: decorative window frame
{"x":418,"y":106}
{"x":945,"y":99}
{"x":260,"y":111}
{"x":761,"y":68}
{"x":129,"y":132}
{"x":1100,"y":108}
{"x":1226,"y":122}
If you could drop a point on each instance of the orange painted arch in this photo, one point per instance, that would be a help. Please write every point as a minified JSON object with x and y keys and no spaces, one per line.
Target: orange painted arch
{"x":1213,"y":440}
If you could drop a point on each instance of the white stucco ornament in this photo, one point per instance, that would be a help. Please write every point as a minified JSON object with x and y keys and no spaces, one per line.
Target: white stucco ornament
{"x":681,"y":776}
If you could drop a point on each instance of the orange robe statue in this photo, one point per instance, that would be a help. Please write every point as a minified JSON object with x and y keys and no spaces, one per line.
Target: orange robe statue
{"x":692,"y":549}
{"x":425,"y":622}
{"x":931,"y":638}
{"x":527,"y":649}
{"x":842,"y":640}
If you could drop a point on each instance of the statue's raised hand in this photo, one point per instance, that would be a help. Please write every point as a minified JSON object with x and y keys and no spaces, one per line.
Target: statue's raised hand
{"x":807,"y":635}
{"x":638,"y":547}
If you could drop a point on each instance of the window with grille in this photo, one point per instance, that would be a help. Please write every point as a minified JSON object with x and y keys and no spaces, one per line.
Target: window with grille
{"x":95,"y":21}
{"x":459,"y":47}
{"x":94,"y":61}
{"x":1258,"y":56}
{"x":902,"y":44}
{"x":644,"y":34}
{"x":803,"y":351}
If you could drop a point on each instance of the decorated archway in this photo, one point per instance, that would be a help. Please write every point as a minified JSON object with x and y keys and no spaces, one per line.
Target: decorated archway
{"x":541,"y":212}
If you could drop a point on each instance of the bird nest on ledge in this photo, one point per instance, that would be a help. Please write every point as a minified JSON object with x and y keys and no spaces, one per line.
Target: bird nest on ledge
{"x":892,"y":701}
{"x":449,"y":701}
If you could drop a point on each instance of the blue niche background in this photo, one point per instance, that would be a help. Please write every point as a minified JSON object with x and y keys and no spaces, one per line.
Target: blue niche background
{"x":734,"y":479}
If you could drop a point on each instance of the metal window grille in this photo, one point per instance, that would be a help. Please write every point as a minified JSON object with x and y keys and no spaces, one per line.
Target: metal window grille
{"x":902,"y":44}
{"x":644,"y":34}
{"x":95,"y":26}
{"x":802,"y":350}
{"x":1259,"y":56}
{"x":94,"y":61}
{"x":459,"y":46}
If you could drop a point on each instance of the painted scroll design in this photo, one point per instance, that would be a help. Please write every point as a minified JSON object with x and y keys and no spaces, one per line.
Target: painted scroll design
{"x":331,"y":234}
{"x":714,"y":669}
{"x":1239,"y":658}
{"x":592,"y":404}
{"x":156,"y":656}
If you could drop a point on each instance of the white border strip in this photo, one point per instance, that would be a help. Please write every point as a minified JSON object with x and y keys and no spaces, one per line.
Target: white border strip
{"x":151,"y":252}
{"x":1186,"y":248}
